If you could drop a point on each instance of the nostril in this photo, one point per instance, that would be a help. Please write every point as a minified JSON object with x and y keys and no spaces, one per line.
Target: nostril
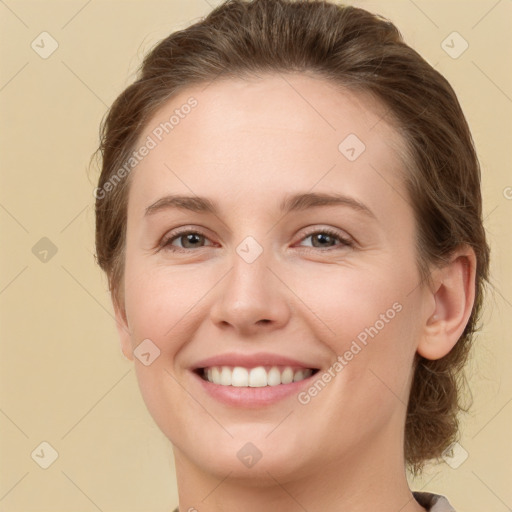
{"x":265,"y":321}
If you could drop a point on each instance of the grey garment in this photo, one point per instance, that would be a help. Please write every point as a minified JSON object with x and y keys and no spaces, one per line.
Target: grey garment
{"x":432,"y":502}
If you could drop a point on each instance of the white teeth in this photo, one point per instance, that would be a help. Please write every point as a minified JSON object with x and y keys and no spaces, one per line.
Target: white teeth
{"x":239,"y":377}
{"x":257,"y":377}
{"x":287,"y":376}
{"x":274,"y":377}
{"x":225,"y":377}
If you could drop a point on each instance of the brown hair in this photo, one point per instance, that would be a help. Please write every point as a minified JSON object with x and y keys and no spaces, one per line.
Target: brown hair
{"x":364,"y":52}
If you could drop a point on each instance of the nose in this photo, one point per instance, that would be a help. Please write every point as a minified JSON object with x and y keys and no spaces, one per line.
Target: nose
{"x":252,"y":299}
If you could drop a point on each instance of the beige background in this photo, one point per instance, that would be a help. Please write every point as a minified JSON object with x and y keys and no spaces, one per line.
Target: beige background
{"x":63,"y":377}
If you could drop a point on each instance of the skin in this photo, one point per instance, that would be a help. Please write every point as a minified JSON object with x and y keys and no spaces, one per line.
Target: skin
{"x":247,"y":145}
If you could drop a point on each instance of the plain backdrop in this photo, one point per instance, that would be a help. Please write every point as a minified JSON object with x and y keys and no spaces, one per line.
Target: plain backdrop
{"x":63,"y":378}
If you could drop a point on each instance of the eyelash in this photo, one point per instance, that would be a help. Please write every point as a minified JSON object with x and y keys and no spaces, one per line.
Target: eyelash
{"x":344,"y":242}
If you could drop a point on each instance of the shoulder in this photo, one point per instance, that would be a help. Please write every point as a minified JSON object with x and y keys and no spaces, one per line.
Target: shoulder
{"x":433,"y":502}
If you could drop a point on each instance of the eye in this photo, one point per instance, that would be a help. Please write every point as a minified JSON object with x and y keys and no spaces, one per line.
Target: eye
{"x":327,"y":238}
{"x":184,"y":240}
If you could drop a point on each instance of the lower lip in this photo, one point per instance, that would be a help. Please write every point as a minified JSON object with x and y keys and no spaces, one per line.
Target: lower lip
{"x":251,"y":397}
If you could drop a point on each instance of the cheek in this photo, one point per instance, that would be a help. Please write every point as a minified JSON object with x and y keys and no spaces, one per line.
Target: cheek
{"x":355,"y":302}
{"x":161,"y":301}
{"x":162,"y":305}
{"x":367,"y":319}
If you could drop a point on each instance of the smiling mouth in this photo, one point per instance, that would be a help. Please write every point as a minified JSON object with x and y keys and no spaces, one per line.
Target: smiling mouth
{"x":256,"y":377}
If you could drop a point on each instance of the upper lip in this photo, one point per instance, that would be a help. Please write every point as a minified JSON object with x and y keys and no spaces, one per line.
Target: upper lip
{"x":251,"y":361}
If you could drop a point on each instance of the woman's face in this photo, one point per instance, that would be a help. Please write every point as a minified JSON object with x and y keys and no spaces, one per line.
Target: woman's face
{"x":292,"y":248}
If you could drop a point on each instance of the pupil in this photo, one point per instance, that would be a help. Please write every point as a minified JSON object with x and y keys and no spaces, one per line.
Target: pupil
{"x":322,"y":238}
{"x":191,"y":239}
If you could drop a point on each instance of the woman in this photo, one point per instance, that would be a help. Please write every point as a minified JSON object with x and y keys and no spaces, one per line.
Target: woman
{"x":289,"y":215}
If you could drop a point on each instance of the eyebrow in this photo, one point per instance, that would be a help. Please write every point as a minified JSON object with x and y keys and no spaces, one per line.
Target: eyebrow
{"x":296,"y":202}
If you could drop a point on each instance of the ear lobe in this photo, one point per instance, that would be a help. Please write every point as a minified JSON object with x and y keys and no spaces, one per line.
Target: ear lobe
{"x":454,"y":295}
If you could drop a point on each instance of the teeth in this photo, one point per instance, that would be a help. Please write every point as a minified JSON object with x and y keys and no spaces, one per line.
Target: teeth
{"x":239,"y":377}
{"x":257,"y":377}
{"x":298,"y":376}
{"x":273,"y":377}
{"x":225,"y":377}
{"x":287,"y":376}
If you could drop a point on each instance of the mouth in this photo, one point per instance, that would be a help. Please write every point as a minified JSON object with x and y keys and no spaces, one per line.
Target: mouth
{"x":253,"y":380}
{"x":254,"y":377}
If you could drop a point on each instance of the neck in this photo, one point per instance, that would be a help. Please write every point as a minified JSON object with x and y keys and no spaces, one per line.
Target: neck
{"x":368,"y":478}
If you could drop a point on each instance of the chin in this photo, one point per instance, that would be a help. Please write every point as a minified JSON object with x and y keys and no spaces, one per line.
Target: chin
{"x":256,"y":463}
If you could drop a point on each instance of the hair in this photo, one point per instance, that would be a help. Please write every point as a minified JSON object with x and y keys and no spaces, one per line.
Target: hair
{"x":365,"y":53}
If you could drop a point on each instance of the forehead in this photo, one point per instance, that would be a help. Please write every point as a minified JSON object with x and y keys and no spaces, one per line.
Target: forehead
{"x":273,"y":131}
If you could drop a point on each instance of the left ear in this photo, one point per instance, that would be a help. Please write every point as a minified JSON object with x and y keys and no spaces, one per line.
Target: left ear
{"x":453,"y":293}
